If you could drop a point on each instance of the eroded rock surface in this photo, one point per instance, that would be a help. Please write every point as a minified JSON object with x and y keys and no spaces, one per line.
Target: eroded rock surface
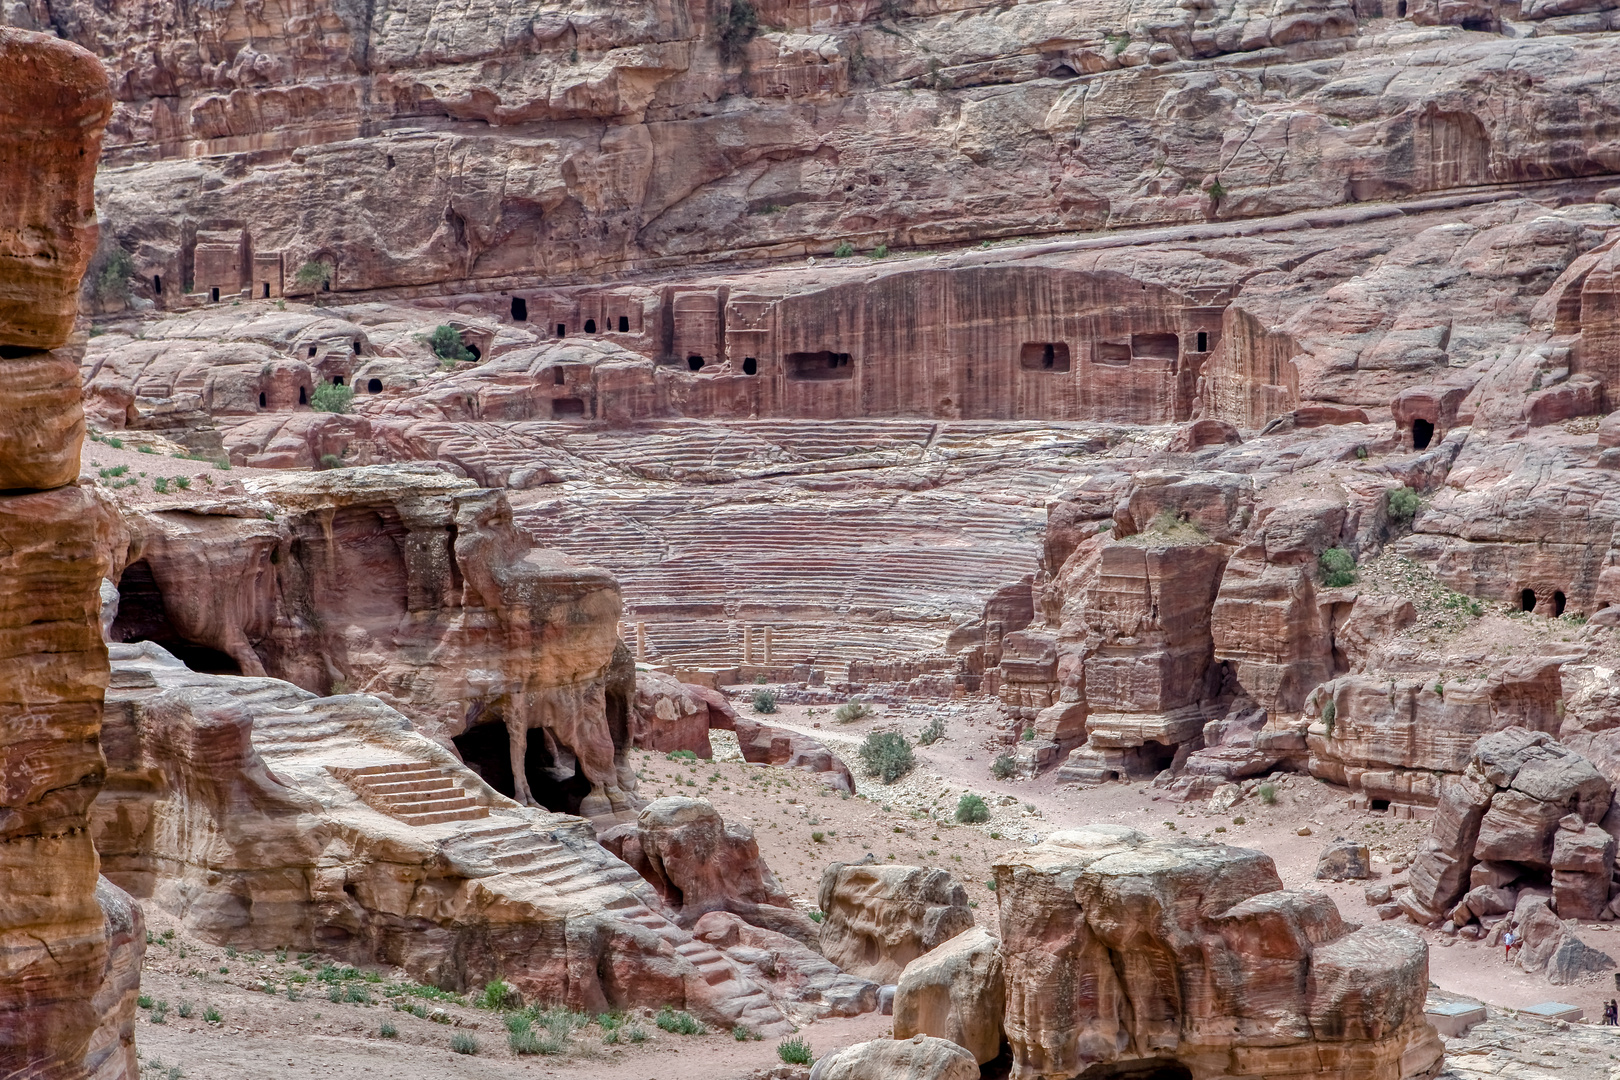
{"x":1120,"y":948}
{"x":878,"y":919}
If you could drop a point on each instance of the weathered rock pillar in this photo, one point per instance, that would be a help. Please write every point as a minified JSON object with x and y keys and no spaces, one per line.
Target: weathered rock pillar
{"x":641,"y":641}
{"x":748,"y":643}
{"x":54,"y":103}
{"x":767,"y":646}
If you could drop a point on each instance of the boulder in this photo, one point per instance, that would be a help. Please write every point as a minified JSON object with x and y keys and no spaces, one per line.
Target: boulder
{"x":764,"y":744}
{"x":1344,"y":860}
{"x":666,"y":716}
{"x":921,"y":1057}
{"x":878,"y":919}
{"x":796,"y":976}
{"x":1574,"y":958}
{"x":955,"y":992}
{"x":699,"y":863}
{"x":1114,"y":941}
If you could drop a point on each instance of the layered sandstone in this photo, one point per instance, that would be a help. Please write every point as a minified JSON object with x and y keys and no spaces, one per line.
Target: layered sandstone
{"x":410,"y":584}
{"x":878,"y":919}
{"x":262,"y":815}
{"x":67,"y":962}
{"x":1122,"y":950}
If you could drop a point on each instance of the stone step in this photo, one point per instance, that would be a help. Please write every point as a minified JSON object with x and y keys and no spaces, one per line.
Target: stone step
{"x":439,"y":816}
{"x":437,"y":782}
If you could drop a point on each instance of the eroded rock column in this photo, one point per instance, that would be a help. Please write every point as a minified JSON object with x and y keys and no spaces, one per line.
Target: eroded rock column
{"x":54,"y":103}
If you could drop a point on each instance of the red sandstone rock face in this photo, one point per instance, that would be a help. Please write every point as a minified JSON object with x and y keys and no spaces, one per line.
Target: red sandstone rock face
{"x":61,"y":982}
{"x":667,"y":716}
{"x":764,"y":744}
{"x":345,"y":580}
{"x":700,"y":864}
{"x":1119,"y":948}
{"x":881,"y":918}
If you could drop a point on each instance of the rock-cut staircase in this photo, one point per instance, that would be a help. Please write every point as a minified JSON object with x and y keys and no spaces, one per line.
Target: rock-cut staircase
{"x":416,"y":793}
{"x":569,"y":869}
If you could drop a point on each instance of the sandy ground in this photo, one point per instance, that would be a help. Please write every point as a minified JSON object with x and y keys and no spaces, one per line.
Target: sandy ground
{"x":265,"y":1035}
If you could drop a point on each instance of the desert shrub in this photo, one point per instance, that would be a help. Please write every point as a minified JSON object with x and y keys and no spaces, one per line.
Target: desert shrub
{"x":312,"y":275}
{"x":677,"y":1022}
{"x":794,"y":1051}
{"x":881,"y":251}
{"x":1004,"y":767}
{"x":446,"y":344}
{"x":1338,"y":567}
{"x":1029,"y":734}
{"x":1216,"y":190}
{"x":330,"y":397}
{"x":931,"y":734}
{"x":145,"y":450}
{"x":991,"y":884}
{"x":818,"y":836}
{"x":851,"y":711}
{"x":816,"y":915}
{"x":387,"y":1030}
{"x":735,"y":27}
{"x":331,"y":461}
{"x":1329,"y":712}
{"x":463,"y":1043}
{"x":681,"y":755}
{"x":844,"y":250}
{"x":112,"y":283}
{"x":144,"y":1001}
{"x":183,"y":483}
{"x":764,"y":701}
{"x":1403,"y":505}
{"x":1268,"y":793}
{"x":497,"y":994}
{"x":160,"y":485}
{"x":972,"y":810}
{"x":886,"y":755}
{"x":212,"y":1015}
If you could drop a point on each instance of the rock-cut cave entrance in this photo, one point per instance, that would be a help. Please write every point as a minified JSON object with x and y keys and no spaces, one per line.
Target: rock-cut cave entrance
{"x":142,"y":616}
{"x":1422,"y":434}
{"x":486,"y":750}
{"x":1139,"y":1069}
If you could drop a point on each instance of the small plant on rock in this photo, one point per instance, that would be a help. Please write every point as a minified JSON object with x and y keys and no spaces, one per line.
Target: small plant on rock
{"x":446,"y":344}
{"x":881,"y":251}
{"x":972,"y":810}
{"x":794,"y":1051}
{"x":1338,"y":568}
{"x":764,"y":701}
{"x":844,"y":250}
{"x":734,"y":28}
{"x":1329,"y":712}
{"x":887,"y":755}
{"x":332,"y":398}
{"x":1403,"y":505}
{"x":1005,"y":767}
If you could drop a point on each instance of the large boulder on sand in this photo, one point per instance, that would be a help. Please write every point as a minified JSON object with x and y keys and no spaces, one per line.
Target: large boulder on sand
{"x":1119,"y":947}
{"x":881,"y":918}
{"x":920,"y":1057}
{"x":699,"y":863}
{"x":955,"y":992}
{"x":1523,"y":806}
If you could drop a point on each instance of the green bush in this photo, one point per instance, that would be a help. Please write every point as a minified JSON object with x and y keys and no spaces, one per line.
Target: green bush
{"x":794,"y":1051}
{"x":764,"y":701}
{"x":1329,"y":712}
{"x":446,"y":344}
{"x":972,"y":810}
{"x":463,"y":1043}
{"x":1403,"y":505}
{"x":185,"y":1010}
{"x":851,"y":711}
{"x":817,"y":915}
{"x":931,"y":734}
{"x":1004,"y":767}
{"x":881,"y":251}
{"x":312,"y":275}
{"x":330,"y":397}
{"x":734,"y":28}
{"x":497,"y":994}
{"x":212,"y":1015}
{"x":1268,"y":793}
{"x":887,"y":755}
{"x":844,"y":250}
{"x":677,"y":1022}
{"x":387,"y":1030}
{"x":113,"y":281}
{"x":183,"y":483}
{"x":1338,"y":567}
{"x":681,"y":755}
{"x":1029,"y":734}
{"x":160,"y":485}
{"x":818,"y":836}
{"x":331,"y":461}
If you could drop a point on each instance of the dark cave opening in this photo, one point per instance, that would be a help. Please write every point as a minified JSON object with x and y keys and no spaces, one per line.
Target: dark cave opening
{"x":1139,"y":1069}
{"x":142,"y":616}
{"x":1422,"y":434}
{"x":1527,"y":600}
{"x":486,"y":750}
{"x":1558,"y":604}
{"x":520,"y":309}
